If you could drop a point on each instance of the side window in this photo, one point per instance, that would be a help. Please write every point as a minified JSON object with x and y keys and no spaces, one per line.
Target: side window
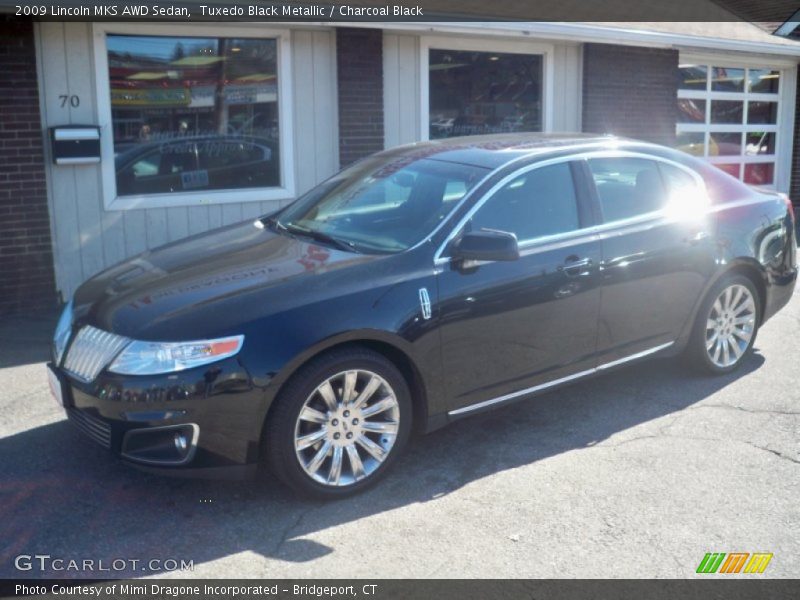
{"x":539,"y":203}
{"x":676,"y":180}
{"x":627,"y":187}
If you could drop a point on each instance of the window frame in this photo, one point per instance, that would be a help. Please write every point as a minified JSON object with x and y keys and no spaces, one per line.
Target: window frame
{"x":582,"y":211}
{"x":782,"y":129}
{"x":595,"y":230}
{"x":485,"y":45}
{"x":111,"y":200}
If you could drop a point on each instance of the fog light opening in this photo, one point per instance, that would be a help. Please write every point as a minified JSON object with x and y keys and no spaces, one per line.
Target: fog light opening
{"x":167,"y":445}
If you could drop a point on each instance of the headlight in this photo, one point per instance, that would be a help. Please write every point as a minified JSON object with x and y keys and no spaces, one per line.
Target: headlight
{"x":63,"y":330}
{"x":152,"y":358}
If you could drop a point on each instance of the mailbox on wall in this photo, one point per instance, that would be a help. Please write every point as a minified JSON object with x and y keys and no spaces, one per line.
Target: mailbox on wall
{"x":75,"y":144}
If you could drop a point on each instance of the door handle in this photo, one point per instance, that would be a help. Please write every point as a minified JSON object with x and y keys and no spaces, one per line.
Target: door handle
{"x":574,"y":266}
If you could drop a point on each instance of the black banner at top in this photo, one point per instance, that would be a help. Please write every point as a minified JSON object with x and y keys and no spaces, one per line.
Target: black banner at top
{"x":771,"y":13}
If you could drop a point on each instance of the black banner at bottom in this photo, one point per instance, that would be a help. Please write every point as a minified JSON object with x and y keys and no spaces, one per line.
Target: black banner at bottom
{"x":441,"y":589}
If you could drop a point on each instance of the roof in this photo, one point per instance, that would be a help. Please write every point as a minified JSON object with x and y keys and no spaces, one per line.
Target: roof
{"x":740,"y":31}
{"x":494,"y":151}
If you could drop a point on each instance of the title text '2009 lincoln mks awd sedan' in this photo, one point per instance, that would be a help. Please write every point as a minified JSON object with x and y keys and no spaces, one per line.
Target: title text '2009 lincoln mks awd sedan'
{"x":422,"y":284}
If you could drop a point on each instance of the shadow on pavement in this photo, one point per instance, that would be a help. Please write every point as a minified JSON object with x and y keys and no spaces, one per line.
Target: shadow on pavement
{"x":26,"y":339}
{"x":62,"y":496}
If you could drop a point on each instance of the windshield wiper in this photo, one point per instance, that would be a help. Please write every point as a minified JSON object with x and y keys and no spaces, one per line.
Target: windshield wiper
{"x":318,"y":236}
{"x":275,"y":224}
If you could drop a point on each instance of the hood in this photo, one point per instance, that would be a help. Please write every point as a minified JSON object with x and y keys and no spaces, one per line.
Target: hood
{"x":159,"y":294}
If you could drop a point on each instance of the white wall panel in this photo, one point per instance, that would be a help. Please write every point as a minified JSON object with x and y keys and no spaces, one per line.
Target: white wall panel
{"x":86,"y":237}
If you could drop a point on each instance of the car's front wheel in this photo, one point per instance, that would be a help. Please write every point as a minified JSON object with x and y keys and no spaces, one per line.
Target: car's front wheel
{"x":339,"y":423}
{"x":726,"y":326}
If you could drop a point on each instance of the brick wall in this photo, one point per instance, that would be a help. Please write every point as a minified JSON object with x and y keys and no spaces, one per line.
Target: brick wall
{"x":26,"y":257}
{"x":359,"y":65}
{"x":631,"y":92}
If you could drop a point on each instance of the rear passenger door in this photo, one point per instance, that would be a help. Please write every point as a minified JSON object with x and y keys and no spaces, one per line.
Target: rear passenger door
{"x":656,"y":251}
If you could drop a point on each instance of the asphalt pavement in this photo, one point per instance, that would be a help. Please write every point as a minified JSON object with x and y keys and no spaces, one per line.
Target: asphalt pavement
{"x":638,"y":473}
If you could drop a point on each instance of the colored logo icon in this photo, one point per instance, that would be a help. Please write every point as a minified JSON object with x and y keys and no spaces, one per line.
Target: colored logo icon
{"x":734,"y":562}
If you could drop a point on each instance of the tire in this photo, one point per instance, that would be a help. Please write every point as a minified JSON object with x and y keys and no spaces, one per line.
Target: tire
{"x":735,"y":319}
{"x":311,"y":429}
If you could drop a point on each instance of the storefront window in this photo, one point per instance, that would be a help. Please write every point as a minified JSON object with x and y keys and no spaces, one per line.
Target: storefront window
{"x":193,"y":113}
{"x":729,"y":115}
{"x":474,"y":93}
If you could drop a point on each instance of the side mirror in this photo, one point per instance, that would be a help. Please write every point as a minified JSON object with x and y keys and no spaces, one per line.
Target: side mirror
{"x":486,"y":246}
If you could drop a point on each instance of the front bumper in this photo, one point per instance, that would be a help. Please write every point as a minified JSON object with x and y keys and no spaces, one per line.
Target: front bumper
{"x":216,"y":408}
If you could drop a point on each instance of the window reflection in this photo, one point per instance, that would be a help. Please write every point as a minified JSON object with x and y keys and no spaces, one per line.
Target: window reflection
{"x":473,"y":93}
{"x":727,"y":111}
{"x":693,"y":77}
{"x":763,"y":81}
{"x":725,"y":79}
{"x":724,"y":144}
{"x":691,"y":142}
{"x":759,"y":173}
{"x":691,"y":110}
{"x":762,"y":112}
{"x":191,"y":113}
{"x":760,"y":142}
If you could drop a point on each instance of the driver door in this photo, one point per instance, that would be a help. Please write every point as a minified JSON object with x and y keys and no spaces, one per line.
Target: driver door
{"x":511,"y":326}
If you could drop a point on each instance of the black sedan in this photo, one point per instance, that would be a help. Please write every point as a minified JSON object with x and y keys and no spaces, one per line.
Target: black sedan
{"x":421,"y":285}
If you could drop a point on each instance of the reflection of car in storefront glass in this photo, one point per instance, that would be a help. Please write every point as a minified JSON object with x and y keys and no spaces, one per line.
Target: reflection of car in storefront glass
{"x":198,"y":163}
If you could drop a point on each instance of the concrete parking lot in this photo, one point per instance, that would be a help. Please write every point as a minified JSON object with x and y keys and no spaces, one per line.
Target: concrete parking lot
{"x":637,"y":473}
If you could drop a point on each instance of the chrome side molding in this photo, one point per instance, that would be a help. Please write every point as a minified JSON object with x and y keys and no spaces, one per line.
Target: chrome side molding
{"x":556,"y":382}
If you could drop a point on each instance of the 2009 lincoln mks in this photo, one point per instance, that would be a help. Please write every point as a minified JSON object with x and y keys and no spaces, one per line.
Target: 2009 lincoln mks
{"x":420,"y":285}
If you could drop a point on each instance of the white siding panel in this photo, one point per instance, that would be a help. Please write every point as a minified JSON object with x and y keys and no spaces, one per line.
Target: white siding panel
{"x":88,"y":238}
{"x":304,"y":104}
{"x":567,"y":88}
{"x":198,"y":219}
{"x":135,"y":224}
{"x":156,"y":227}
{"x":214,"y":216}
{"x":178,"y":222}
{"x":231,"y":213}
{"x":401,"y":89}
{"x":78,"y":54}
{"x":326,"y":122}
{"x":64,"y":203}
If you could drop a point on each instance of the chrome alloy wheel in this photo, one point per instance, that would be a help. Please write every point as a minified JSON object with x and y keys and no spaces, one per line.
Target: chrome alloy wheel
{"x":347,"y":428}
{"x":730,"y":326}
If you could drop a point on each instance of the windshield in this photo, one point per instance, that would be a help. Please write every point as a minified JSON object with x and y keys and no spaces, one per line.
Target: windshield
{"x":380,"y":205}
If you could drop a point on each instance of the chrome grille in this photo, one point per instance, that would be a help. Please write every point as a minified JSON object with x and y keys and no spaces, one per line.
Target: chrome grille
{"x":91,"y":351}
{"x":98,"y":430}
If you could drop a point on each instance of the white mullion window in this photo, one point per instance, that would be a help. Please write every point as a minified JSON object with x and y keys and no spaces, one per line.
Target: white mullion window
{"x":730,"y":116}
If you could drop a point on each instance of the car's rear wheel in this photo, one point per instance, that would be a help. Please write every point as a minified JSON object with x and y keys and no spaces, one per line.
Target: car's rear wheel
{"x":339,"y":424}
{"x":726,"y":326}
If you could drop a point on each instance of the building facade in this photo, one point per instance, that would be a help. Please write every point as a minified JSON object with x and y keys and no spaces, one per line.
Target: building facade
{"x":201,"y":125}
